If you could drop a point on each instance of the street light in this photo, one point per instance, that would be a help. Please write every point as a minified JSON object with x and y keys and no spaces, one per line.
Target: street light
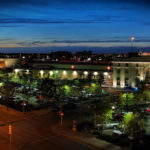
{"x":132,"y":39}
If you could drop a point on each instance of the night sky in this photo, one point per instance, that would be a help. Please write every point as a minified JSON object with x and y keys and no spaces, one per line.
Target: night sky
{"x":98,"y":25}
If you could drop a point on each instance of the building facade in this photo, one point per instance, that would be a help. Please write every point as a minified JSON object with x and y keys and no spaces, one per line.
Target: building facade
{"x":128,"y":72}
{"x":68,"y":71}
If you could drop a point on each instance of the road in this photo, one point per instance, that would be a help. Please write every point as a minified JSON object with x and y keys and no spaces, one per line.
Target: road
{"x":37,"y":133}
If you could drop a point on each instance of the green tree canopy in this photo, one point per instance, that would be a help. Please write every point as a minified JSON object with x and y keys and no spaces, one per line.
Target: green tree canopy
{"x":133,"y":124}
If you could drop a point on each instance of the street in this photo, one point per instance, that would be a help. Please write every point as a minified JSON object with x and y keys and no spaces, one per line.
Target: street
{"x":37,"y":133}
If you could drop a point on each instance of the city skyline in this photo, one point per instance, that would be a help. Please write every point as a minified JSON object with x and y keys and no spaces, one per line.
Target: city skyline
{"x":74,"y":25}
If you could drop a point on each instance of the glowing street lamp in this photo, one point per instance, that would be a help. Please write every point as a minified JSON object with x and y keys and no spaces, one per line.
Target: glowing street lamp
{"x":132,"y":39}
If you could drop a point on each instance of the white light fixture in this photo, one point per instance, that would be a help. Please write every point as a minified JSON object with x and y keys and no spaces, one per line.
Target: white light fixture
{"x":64,"y":72}
{"x":41,"y":72}
{"x":16,"y":71}
{"x":95,"y":73}
{"x":51,"y":73}
{"x":75,"y":73}
{"x":105,"y":73}
{"x":85,"y":73}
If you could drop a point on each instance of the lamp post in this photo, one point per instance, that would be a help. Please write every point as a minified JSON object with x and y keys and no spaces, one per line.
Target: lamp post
{"x":132,"y":39}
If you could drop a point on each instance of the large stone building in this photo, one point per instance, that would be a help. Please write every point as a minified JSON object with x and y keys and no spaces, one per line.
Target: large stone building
{"x":68,"y":71}
{"x":129,"y":71}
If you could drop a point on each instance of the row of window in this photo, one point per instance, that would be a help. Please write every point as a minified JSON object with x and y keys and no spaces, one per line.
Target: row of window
{"x":126,"y":65}
{"x":127,"y":71}
{"x":126,"y":81}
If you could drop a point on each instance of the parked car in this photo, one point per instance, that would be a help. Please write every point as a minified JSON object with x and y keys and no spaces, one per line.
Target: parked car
{"x":108,"y":125}
{"x":117,"y":132}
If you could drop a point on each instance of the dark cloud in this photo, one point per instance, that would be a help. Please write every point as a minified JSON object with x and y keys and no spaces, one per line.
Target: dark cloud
{"x":6,"y":39}
{"x":51,"y":21}
{"x":31,"y":43}
{"x":10,"y":3}
{"x":123,"y":49}
{"x":99,"y":41}
{"x":38,"y":43}
{"x":90,"y":19}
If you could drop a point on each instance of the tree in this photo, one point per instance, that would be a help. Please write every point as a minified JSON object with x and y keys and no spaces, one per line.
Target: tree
{"x":146,"y":95}
{"x":7,"y":90}
{"x":47,"y":88}
{"x":102,"y":112}
{"x":127,"y":99}
{"x":134,"y":124}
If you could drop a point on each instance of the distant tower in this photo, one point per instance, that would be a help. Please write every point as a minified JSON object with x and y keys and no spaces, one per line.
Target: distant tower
{"x":132,"y":39}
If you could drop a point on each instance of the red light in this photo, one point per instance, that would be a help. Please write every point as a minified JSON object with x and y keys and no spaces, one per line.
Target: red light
{"x":72,"y":67}
{"x":148,"y":109}
{"x":61,"y":114}
{"x":108,"y":68}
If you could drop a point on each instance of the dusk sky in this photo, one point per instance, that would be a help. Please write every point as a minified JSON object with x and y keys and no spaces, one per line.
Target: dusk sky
{"x":74,"y":25}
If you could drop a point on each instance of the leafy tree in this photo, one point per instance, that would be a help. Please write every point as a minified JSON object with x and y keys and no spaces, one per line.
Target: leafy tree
{"x":101,"y":112}
{"x":127,"y":99}
{"x":134,"y":124}
{"x":146,"y":95}
{"x":47,"y":88}
{"x":7,"y":90}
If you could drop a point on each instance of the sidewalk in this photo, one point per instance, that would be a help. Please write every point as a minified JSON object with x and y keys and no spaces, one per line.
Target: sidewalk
{"x":84,"y":138}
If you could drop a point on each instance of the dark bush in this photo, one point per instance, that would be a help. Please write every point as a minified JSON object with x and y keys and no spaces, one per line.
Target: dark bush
{"x":85,"y":126}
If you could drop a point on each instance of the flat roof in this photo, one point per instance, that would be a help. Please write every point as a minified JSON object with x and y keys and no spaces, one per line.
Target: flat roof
{"x":132,"y":59}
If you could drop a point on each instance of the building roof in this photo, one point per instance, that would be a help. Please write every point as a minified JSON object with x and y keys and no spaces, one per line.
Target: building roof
{"x":132,"y":59}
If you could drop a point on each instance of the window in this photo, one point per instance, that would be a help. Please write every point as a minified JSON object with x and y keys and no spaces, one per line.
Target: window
{"x":126,"y":71}
{"x":118,"y":81}
{"x":118,"y":64}
{"x":137,"y":72}
{"x":126,"y":81}
{"x":126,"y":64}
{"x":118,"y":70}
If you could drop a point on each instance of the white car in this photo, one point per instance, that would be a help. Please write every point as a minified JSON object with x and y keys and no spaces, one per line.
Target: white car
{"x":109,"y":125}
{"x":117,"y":132}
